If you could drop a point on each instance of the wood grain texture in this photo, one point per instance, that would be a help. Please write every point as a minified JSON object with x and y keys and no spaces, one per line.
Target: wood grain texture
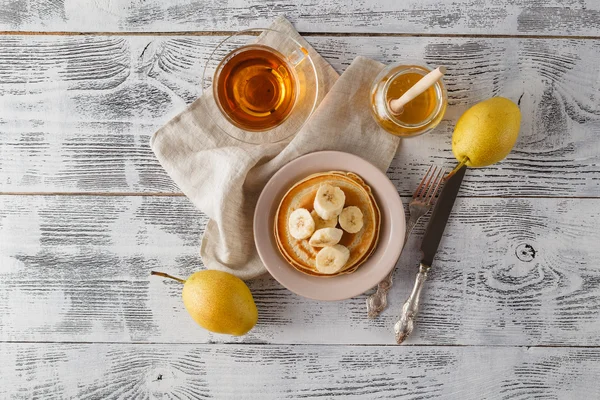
{"x":554,"y":17}
{"x":77,"y":115}
{"x":78,"y":112}
{"x":163,"y":371}
{"x":508,"y":272}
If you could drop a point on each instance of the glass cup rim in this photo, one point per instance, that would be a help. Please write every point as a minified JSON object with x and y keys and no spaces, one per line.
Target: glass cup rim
{"x":219,"y":69}
{"x":439,"y":88}
{"x":257,"y":32}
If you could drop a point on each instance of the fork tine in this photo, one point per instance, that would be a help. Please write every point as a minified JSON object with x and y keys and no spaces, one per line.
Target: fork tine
{"x":439,"y":179}
{"x":430,"y":184}
{"x":424,"y":194}
{"x":418,"y":189}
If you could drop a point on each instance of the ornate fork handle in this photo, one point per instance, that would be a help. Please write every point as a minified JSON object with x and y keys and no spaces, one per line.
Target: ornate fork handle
{"x":377,"y":302}
{"x":405,"y":325}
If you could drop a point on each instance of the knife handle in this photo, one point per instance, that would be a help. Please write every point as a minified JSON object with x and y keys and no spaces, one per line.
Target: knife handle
{"x":405,"y":325}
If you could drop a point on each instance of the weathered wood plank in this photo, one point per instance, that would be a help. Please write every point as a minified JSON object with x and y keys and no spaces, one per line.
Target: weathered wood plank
{"x":508,"y":272}
{"x":166,"y":371}
{"x":555,"y":17}
{"x":77,"y":112}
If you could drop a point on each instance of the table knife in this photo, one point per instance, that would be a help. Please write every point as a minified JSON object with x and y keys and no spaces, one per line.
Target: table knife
{"x":429,"y":246}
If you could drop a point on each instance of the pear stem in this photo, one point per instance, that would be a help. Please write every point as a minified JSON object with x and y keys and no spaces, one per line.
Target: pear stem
{"x":167,"y":276}
{"x":455,"y":170}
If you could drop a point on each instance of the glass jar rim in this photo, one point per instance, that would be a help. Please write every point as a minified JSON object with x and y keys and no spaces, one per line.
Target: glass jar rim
{"x":438,"y":87}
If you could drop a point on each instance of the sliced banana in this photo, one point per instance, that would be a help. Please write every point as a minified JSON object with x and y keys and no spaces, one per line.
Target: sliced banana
{"x":321,"y":223}
{"x":329,"y":201}
{"x":325,"y":237}
{"x":332,"y":258}
{"x":351,"y":219}
{"x":301,"y":224}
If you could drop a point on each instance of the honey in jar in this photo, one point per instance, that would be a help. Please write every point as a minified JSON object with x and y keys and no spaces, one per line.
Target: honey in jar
{"x":418,"y":116}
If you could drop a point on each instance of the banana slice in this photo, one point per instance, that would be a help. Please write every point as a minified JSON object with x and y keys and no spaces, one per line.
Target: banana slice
{"x":351,"y":219}
{"x":329,"y":201}
{"x":301,"y":224}
{"x":325,"y":237}
{"x":321,"y":223}
{"x":331,"y":259}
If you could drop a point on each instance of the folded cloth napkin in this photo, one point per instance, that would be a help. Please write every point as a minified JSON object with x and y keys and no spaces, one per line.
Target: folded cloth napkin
{"x":223,"y":176}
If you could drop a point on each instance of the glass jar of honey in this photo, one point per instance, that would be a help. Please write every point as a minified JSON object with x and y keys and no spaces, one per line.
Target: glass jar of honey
{"x":418,"y":116}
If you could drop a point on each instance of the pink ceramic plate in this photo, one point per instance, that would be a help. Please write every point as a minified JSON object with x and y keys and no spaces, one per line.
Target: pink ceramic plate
{"x":373,"y":270}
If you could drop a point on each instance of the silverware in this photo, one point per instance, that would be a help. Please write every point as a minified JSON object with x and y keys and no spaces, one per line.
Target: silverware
{"x":421,"y":202}
{"x":429,"y":246}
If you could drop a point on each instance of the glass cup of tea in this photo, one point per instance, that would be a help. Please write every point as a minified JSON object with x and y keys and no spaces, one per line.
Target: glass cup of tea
{"x":264,"y":86}
{"x":421,"y":114}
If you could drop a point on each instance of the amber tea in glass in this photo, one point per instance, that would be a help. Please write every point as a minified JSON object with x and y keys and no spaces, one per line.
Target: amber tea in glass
{"x":418,"y":116}
{"x":255,"y":87}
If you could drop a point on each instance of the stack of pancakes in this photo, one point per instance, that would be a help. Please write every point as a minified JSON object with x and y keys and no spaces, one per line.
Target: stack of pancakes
{"x":299,"y":253}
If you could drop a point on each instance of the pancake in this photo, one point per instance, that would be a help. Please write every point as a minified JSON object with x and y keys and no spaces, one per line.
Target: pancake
{"x":299,"y":253}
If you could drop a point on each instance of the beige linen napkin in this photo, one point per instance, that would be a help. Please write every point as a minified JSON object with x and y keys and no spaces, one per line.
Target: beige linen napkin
{"x":223,"y":177}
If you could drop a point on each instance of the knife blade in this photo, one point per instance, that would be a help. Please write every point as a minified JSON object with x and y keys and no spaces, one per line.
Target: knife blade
{"x":439,"y":216}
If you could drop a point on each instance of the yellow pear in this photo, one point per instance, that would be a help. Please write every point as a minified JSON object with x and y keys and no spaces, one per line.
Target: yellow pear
{"x":218,"y":301}
{"x":486,"y":132}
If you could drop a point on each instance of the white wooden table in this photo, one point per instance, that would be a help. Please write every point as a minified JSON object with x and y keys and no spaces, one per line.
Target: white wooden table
{"x":512,"y":308}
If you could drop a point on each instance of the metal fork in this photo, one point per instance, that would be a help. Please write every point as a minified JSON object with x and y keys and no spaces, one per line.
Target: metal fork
{"x":421,"y":202}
